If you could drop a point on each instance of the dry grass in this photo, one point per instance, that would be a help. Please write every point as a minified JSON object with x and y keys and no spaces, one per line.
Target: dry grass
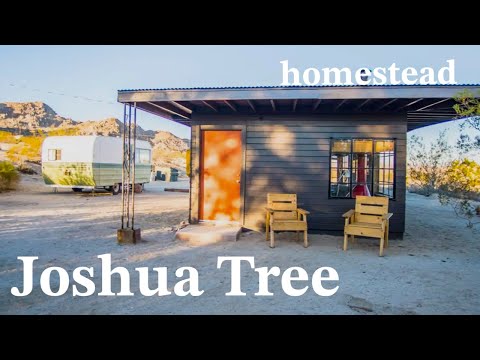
{"x":27,"y":148}
{"x":6,"y":137}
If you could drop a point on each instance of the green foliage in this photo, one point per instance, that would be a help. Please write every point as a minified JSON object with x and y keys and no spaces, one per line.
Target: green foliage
{"x":463,"y":176}
{"x":468,"y":107}
{"x":427,"y":165}
{"x":13,"y":154}
{"x":9,"y":176}
{"x":6,"y":137}
{"x":461,"y":183}
{"x":34,"y":142}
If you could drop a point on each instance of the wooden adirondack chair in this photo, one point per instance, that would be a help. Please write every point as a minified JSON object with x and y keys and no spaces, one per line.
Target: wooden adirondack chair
{"x":370,"y":218}
{"x":283,"y":215}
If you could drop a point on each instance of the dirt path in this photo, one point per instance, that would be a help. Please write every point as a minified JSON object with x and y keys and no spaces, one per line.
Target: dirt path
{"x":435,"y":269}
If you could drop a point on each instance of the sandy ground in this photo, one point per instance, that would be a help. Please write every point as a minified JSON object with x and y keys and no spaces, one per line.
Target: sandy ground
{"x":434,"y":270}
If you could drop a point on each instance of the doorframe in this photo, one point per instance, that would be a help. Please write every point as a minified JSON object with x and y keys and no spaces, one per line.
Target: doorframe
{"x":243,"y":137}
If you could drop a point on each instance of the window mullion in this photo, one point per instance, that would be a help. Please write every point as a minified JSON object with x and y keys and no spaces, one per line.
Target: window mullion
{"x":372,"y":177}
{"x":351,"y":171}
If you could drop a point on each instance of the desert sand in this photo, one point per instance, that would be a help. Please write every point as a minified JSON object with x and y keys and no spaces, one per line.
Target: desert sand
{"x":435,"y":269}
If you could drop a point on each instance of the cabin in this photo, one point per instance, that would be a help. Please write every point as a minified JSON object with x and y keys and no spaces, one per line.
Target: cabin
{"x":327,"y":144}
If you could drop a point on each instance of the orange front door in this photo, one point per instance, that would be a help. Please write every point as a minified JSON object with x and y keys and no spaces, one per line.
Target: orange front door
{"x":220,"y":173}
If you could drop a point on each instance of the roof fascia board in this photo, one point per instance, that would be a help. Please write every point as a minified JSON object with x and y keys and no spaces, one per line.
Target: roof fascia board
{"x":363,"y":92}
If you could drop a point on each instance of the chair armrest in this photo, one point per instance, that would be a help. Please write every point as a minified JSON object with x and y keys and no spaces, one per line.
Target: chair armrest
{"x":269,"y":210}
{"x":302,"y":211}
{"x":349,"y":214}
{"x":386,"y":216}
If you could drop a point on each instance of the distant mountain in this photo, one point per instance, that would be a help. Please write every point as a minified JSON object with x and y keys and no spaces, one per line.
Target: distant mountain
{"x":165,"y":140}
{"x":30,"y":117}
{"x":110,"y":127}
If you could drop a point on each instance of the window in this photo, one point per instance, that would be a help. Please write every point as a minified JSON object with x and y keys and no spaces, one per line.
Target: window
{"x":54,"y":154}
{"x":362,"y":167}
{"x":143,"y":156}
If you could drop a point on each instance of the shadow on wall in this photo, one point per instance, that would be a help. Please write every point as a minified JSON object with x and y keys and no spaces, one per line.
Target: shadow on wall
{"x":281,"y":159}
{"x":296,"y":159}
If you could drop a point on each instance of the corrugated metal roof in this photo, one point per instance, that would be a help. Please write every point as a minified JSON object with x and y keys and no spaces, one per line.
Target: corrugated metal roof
{"x":293,"y":87}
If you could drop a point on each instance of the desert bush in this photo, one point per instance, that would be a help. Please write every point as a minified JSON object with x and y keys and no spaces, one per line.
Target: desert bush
{"x":167,"y":154}
{"x":6,"y":137}
{"x":13,"y":154}
{"x":38,"y":133}
{"x":29,"y":148}
{"x":64,"y":132}
{"x":468,"y":107}
{"x":9,"y":176}
{"x":427,"y":164}
{"x":460,"y":186}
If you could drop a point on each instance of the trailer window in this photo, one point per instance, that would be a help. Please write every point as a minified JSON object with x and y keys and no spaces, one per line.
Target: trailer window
{"x":362,"y":167}
{"x":54,"y":154}
{"x":143,"y":156}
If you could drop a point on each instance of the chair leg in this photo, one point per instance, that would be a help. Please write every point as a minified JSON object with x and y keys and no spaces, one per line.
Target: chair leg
{"x":305,"y":239}
{"x":345,"y":241}
{"x":267,"y":230}
{"x":382,"y":242}
{"x":352,"y":238}
{"x":272,"y":238}
{"x":298,"y":235}
{"x":387,"y":230}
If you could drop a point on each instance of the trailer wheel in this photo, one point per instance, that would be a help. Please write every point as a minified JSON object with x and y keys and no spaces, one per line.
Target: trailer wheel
{"x":115,"y":189}
{"x":138,"y":188}
{"x":77,"y":189}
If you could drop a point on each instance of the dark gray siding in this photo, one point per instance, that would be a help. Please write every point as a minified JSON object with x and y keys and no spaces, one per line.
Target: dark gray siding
{"x":290,"y":154}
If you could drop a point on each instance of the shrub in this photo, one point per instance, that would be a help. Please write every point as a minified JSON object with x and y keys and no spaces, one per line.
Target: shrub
{"x":64,"y":132}
{"x":13,"y":154}
{"x":9,"y":176}
{"x":426,"y":164}
{"x":462,"y":183}
{"x":29,"y":148}
{"x":6,"y":137}
{"x":463,"y":176}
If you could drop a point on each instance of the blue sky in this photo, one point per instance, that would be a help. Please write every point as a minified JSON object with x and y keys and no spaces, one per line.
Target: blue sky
{"x":42,"y":73}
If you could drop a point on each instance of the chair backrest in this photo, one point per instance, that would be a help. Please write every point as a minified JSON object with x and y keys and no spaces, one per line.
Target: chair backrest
{"x":370,"y":208}
{"x":285,"y":205}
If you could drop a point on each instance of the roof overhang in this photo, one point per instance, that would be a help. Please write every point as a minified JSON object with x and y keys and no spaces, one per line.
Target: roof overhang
{"x":424,"y":104}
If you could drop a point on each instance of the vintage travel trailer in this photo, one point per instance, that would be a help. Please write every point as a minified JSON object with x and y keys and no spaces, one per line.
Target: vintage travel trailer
{"x":88,"y":162}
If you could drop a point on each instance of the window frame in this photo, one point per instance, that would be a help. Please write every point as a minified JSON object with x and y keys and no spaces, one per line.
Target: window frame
{"x":139,"y":151}
{"x":350,"y":164}
{"x":57,"y":152}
